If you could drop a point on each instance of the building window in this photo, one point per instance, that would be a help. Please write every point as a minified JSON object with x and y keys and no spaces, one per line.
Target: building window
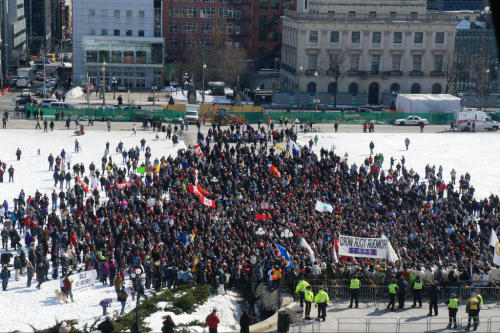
{"x":353,"y":88}
{"x":413,"y":15}
{"x":392,"y":15}
{"x":398,"y":37}
{"x":351,"y":14}
{"x":189,"y":43}
{"x":116,"y":57}
{"x":334,"y":36}
{"x":103,"y":56}
{"x":436,"y":88}
{"x":116,"y":13}
{"x":173,"y":11}
{"x":91,"y":32}
{"x":332,"y":87}
{"x":312,"y":61}
{"x":262,"y":36}
{"x":313,"y":36}
{"x":206,"y":43}
{"x":129,"y":13}
{"x":140,"y":33}
{"x":334,"y":61}
{"x":263,"y":4}
{"x":395,"y":88}
{"x":275,"y":4}
{"x":419,"y":37}
{"x":140,"y":57}
{"x":189,"y":28}
{"x":417,"y":62}
{"x":311,"y":87}
{"x":141,"y":14}
{"x":396,"y":62}
{"x":173,"y":27}
{"x":415,"y":88}
{"x":91,"y":56}
{"x":91,"y":12}
{"x":376,"y":37}
{"x":104,"y":12}
{"x":372,"y":15}
{"x":237,"y":31}
{"x":439,"y":37}
{"x":129,"y":33}
{"x":355,"y":37}
{"x":207,"y":12}
{"x":262,"y":21}
{"x":128,"y":57}
{"x":237,"y":14}
{"x":354,"y":65}
{"x":375,"y":63}
{"x":438,"y":63}
{"x":173,"y":43}
{"x":189,"y":12}
{"x":116,"y":32}
{"x":104,"y":32}
{"x":273,"y":36}
{"x":206,"y":28}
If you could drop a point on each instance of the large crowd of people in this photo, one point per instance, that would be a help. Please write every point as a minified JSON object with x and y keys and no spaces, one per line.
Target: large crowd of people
{"x":114,"y":219}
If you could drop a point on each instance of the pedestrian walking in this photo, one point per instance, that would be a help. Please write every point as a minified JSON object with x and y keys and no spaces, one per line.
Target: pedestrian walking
{"x":371,"y":146}
{"x":212,"y":321}
{"x":407,"y":143}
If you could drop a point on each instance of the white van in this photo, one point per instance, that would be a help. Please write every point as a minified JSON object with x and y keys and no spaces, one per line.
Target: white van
{"x":60,"y":105}
{"x":471,"y":120}
{"x":192,"y":113}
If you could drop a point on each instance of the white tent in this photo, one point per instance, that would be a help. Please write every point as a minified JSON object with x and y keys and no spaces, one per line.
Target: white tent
{"x":425,"y":103}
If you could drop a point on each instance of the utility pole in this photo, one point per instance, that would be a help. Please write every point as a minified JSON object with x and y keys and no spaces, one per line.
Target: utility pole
{"x":103,"y":83}
{"x":88,"y":91}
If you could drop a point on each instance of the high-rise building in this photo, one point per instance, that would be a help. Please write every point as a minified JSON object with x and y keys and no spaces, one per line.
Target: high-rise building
{"x":118,"y":39}
{"x":13,"y":35}
{"x":372,"y":47}
{"x":452,"y":5}
{"x":39,"y":25}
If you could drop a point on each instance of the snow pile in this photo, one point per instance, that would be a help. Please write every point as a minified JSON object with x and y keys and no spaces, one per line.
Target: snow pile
{"x":75,"y":92}
{"x":476,"y":153}
{"x":225,"y":305}
{"x":31,"y":172}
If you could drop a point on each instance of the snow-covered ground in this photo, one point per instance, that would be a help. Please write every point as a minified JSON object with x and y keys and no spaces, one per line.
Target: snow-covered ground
{"x":181,"y":96}
{"x":476,"y":153}
{"x":31,"y":172}
{"x":226,"y":305}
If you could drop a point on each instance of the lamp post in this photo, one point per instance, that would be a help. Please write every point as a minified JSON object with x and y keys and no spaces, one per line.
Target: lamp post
{"x":153,"y":89}
{"x":113,"y":81}
{"x":137,"y":275}
{"x":316,"y":74}
{"x":203,"y":81}
{"x":103,"y":82}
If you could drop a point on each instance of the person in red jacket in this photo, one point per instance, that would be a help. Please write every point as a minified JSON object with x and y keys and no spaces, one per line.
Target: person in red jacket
{"x":212,"y":321}
{"x":67,"y":287}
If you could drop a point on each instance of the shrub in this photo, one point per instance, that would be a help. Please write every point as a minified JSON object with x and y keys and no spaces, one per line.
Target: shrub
{"x":187,"y":303}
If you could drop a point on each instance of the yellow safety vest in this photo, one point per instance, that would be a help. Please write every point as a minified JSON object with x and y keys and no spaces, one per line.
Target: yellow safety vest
{"x":480,"y":300}
{"x":418,"y":285}
{"x":301,"y":286}
{"x":453,"y":303}
{"x":354,"y":284}
{"x":392,"y":288}
{"x":309,"y":296}
{"x":473,"y":303}
{"x":321,"y":297}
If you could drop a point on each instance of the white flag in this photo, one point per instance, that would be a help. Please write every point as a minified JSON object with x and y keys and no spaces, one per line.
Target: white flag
{"x":306,"y":245}
{"x":295,"y":147}
{"x":323,"y":207}
{"x":496,"y":255}
{"x":493,"y":238}
{"x":391,"y":254}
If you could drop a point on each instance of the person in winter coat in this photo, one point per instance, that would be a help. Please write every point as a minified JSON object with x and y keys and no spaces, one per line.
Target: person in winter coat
{"x":65,"y":327}
{"x":122,"y":298}
{"x":30,"y":272}
{"x":67,"y":285}
{"x":105,"y":304}
{"x":18,"y":154}
{"x":5,"y":275}
{"x":118,"y":283}
{"x":372,"y":146}
{"x":40,"y":275}
{"x":11,"y":174}
{"x":407,"y":143}
{"x":245,"y":322}
{"x":168,"y":325}
{"x":106,"y":326}
{"x":212,"y":321}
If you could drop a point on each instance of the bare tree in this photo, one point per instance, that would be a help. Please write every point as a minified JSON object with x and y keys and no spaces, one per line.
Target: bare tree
{"x":450,"y":73}
{"x":336,"y":68}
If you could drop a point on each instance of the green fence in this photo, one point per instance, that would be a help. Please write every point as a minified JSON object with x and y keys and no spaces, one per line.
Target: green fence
{"x":253,"y":117}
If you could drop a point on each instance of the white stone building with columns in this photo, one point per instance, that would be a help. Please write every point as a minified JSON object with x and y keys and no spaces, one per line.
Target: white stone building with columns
{"x":384,"y":46}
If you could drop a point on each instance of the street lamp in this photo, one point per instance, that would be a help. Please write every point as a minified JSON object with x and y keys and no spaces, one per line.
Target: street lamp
{"x":316,"y":74}
{"x":136,"y":275}
{"x":203,"y":82}
{"x":103,"y":82}
{"x":153,"y":89}
{"x":113,"y":81}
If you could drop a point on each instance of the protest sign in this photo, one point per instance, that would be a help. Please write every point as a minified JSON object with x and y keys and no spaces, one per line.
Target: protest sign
{"x":363,"y":247}
{"x":82,"y":281}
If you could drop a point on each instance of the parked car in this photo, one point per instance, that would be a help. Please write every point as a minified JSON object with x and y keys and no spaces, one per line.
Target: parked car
{"x":411,"y":121}
{"x":169,"y":89}
{"x":122,"y":88}
{"x":46,"y":102}
{"x":25,"y":93}
{"x":25,"y":100}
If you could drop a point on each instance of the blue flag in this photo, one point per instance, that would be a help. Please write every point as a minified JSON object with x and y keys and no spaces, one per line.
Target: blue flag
{"x":284,"y":253}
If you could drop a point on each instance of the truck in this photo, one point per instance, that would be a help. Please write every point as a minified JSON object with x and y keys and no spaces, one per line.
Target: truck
{"x":192,"y":113}
{"x":25,"y":76}
{"x":425,"y":103}
{"x":471,"y":120}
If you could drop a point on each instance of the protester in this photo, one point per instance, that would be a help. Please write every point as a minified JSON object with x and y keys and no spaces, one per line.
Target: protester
{"x":212,"y":321}
{"x":168,"y":325}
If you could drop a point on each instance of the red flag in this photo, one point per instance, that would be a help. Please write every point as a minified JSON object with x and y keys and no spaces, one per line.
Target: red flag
{"x":275,"y":171}
{"x":85,"y":186}
{"x":336,"y":242}
{"x":194,"y":190}
{"x":202,"y":190}
{"x":261,"y":216}
{"x":198,"y":151}
{"x":207,"y":202}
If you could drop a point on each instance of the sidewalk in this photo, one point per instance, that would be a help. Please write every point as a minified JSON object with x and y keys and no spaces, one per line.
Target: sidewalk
{"x":373,"y":317}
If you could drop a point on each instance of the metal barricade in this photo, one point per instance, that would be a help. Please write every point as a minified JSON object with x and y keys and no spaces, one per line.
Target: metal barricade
{"x":438,"y":323}
{"x":406,"y":326}
{"x":494,"y":324}
{"x":305,"y":326}
{"x":351,"y":324}
{"x":484,"y":323}
{"x":383,"y":325}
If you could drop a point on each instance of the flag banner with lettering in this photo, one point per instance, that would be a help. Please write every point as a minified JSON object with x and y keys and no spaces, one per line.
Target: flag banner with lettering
{"x":82,"y":281}
{"x":364,"y":247}
{"x":261,"y":216}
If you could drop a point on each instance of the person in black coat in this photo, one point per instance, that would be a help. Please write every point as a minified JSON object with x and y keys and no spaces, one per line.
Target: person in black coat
{"x":168,"y":325}
{"x":106,"y":326}
{"x":245,"y":322}
{"x":433,"y":298}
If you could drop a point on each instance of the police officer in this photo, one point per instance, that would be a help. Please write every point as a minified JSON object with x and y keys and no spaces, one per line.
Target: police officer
{"x":452,"y":310}
{"x":354,"y":288}
{"x":321,"y":299}
{"x":472,"y":308}
{"x":480,"y":299}
{"x":418,"y":285}
{"x":393,"y":290}
{"x":309,"y":298}
{"x":301,"y":287}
